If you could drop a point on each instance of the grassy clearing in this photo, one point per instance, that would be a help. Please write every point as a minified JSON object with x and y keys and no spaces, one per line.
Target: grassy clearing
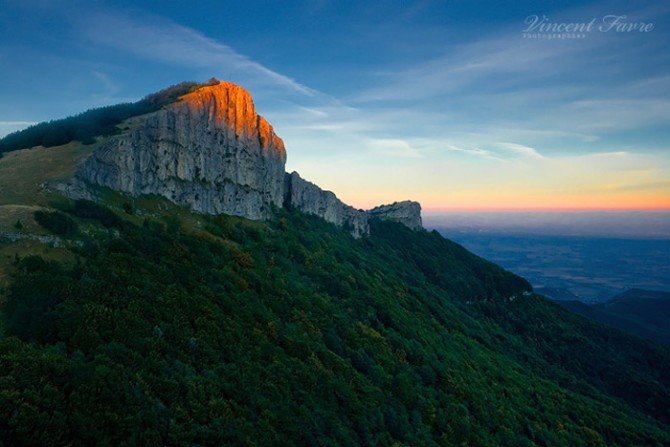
{"x":25,"y":247}
{"x":21,"y":175}
{"x":23,"y":172}
{"x":23,"y":214}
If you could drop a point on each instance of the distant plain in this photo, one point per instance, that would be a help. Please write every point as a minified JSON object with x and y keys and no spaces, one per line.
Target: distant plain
{"x":593,"y":255}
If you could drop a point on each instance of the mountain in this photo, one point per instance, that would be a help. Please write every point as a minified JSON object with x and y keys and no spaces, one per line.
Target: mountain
{"x":641,"y":312}
{"x":234,"y":163}
{"x":134,"y":313}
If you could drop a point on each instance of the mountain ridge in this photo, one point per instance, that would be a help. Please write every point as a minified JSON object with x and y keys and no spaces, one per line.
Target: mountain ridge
{"x":212,"y":152}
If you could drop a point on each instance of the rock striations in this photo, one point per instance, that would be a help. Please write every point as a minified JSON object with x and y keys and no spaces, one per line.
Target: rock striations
{"x":209,"y":151}
{"x":212,"y":152}
{"x":407,"y":213}
{"x":311,"y":199}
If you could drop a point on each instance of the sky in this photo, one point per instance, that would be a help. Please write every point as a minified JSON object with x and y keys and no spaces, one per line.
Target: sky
{"x":459,"y":105}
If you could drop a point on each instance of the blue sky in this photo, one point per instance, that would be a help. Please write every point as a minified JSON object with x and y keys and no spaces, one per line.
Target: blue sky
{"x":443,"y":102}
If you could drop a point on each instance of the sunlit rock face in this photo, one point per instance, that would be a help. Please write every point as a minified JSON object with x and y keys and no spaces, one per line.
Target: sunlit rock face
{"x":210,"y":151}
{"x":407,"y":213}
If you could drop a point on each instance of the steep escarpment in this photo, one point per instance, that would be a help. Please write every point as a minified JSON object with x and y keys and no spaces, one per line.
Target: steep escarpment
{"x":211,"y":151}
{"x":406,"y":212}
{"x":311,"y":199}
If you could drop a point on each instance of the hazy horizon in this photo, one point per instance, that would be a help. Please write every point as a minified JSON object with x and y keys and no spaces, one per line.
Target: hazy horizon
{"x":607,"y":224}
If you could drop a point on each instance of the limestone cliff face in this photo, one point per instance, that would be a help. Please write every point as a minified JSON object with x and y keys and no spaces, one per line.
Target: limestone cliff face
{"x":210,"y":151}
{"x":407,"y":213}
{"x":311,"y":199}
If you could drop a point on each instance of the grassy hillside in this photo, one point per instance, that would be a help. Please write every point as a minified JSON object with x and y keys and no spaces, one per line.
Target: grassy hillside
{"x":171,"y":328}
{"x":22,"y":173}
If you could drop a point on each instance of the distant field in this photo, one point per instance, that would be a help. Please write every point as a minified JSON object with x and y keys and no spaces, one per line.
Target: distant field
{"x":592,"y":268}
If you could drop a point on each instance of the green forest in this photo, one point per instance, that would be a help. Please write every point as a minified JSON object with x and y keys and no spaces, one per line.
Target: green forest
{"x":292,"y":332}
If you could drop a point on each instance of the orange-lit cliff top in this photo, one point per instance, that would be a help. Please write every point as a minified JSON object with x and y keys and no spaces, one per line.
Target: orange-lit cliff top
{"x":230,"y":106}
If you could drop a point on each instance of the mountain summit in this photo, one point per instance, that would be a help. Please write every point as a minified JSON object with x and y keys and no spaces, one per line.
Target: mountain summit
{"x":209,"y":150}
{"x":229,"y":108}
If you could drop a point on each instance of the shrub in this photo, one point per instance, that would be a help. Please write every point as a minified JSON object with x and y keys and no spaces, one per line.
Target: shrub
{"x":56,"y":222}
{"x":91,"y":210}
{"x":128,"y":208}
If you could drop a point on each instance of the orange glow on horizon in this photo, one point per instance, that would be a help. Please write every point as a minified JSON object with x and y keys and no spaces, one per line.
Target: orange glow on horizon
{"x":541,"y":209}
{"x":507,"y":201}
{"x":613,"y":183}
{"x":621,"y":202}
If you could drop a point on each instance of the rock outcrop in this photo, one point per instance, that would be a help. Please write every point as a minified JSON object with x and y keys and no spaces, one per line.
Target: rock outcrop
{"x":407,"y":213}
{"x":212,"y":152}
{"x":311,"y":199}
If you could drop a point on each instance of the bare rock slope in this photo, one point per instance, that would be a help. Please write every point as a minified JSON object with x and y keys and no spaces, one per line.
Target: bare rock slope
{"x":209,"y":151}
{"x":311,"y":199}
{"x":406,"y":212}
{"x":212,"y":152}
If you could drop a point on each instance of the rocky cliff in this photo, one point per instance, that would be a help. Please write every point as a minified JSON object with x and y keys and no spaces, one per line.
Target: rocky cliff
{"x":407,"y":213}
{"x":311,"y":199}
{"x":212,"y":152}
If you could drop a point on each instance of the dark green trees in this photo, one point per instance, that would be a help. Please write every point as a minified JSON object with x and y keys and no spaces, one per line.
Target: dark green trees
{"x":293,"y":333}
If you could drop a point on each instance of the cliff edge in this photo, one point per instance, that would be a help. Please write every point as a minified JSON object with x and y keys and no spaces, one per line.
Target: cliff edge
{"x":211,"y":151}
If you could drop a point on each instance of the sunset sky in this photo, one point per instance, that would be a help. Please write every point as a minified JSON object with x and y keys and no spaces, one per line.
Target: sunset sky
{"x":444,"y":102}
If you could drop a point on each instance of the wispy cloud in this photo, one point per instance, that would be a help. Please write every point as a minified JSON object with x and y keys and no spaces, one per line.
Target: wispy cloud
{"x":467,"y":65}
{"x":106,"y":81}
{"x":469,"y":150}
{"x":601,"y":114}
{"x":500,"y":87}
{"x":394,"y":148}
{"x":162,"y":40}
{"x":521,"y":150}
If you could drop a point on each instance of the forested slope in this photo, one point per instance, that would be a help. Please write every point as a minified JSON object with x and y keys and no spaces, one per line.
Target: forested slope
{"x":292,"y":332}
